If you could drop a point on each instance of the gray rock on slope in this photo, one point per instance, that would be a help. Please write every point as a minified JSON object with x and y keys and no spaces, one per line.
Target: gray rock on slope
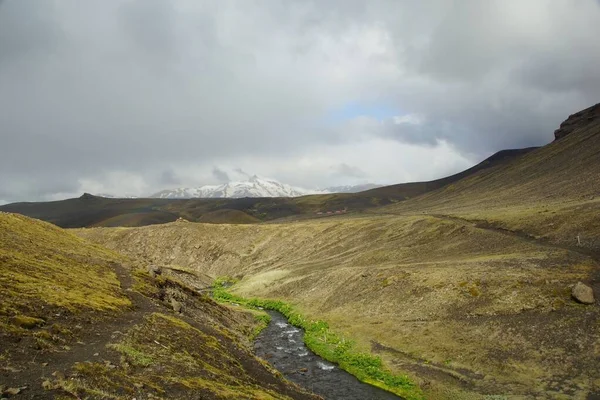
{"x":583,"y":293}
{"x":177,"y":306}
{"x":154,"y":271}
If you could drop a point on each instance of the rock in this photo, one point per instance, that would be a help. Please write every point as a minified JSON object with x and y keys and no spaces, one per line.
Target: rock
{"x":583,"y":293}
{"x":58,"y":375}
{"x":177,"y":306}
{"x":47,"y":385}
{"x":154,"y":271}
{"x":578,"y":120}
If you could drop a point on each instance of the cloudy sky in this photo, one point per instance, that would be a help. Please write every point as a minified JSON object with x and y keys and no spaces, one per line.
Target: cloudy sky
{"x":128,"y":97}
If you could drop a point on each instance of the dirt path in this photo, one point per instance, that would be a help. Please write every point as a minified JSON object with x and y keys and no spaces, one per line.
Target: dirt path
{"x":37,"y":366}
{"x":594,"y":280}
{"x":595,"y":255}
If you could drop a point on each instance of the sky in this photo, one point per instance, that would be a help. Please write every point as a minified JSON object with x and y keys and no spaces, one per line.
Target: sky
{"x":129,"y":97}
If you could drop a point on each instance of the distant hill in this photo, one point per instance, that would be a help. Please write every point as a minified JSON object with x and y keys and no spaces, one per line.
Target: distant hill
{"x":413,"y":189}
{"x":351,"y":188}
{"x":566,"y":169}
{"x":90,"y":210}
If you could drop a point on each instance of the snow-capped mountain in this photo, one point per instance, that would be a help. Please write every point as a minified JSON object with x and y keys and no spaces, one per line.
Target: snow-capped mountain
{"x":254,"y":187}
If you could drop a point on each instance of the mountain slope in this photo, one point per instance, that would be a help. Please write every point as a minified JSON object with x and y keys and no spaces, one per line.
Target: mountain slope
{"x":413,"y":189}
{"x":556,"y":187}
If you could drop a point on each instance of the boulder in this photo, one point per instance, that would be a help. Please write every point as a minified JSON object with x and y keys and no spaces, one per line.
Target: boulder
{"x":154,"y":271}
{"x":578,"y":120}
{"x":582,"y":293}
{"x":177,"y":306}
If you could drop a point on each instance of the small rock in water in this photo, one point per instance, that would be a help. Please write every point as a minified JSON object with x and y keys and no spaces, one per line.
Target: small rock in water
{"x":583,"y":293}
{"x":325,"y":367}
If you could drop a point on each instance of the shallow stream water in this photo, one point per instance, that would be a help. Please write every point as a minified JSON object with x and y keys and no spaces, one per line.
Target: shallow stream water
{"x":282,"y":345}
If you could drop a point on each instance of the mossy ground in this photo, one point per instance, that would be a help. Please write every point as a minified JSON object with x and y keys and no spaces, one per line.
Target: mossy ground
{"x":165,"y":357}
{"x":45,"y":265}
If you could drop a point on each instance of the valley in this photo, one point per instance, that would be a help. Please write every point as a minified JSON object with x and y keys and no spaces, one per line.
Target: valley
{"x":462,"y":285}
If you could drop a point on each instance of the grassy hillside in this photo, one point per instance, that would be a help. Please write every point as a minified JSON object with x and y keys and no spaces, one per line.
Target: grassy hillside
{"x":552,"y":192}
{"x":43,"y":265}
{"x":77,"y":322}
{"x":466,"y":288}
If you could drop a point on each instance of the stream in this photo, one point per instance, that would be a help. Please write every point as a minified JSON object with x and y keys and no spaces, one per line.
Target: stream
{"x":282,"y":345}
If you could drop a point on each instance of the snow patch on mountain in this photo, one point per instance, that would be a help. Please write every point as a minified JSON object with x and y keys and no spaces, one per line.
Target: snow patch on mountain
{"x":254,"y":187}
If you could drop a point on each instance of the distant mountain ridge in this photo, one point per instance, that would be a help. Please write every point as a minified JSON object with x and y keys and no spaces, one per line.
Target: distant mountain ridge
{"x":351,"y":188}
{"x":253,"y":187}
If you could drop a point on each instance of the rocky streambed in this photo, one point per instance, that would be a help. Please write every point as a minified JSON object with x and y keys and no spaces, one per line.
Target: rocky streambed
{"x":282,"y":345}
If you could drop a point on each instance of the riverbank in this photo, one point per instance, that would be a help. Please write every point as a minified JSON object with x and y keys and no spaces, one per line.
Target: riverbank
{"x":329,"y":345}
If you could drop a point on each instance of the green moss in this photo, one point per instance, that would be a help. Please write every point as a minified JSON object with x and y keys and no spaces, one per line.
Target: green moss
{"x":25,"y":322}
{"x":329,"y":345}
{"x":43,"y":335}
{"x":43,"y":263}
{"x":262,"y":320}
{"x":134,"y":356}
{"x":175,"y":321}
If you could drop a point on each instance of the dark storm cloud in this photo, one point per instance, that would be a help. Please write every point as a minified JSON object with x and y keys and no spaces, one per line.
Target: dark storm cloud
{"x":220,"y":175}
{"x":102,"y":93}
{"x":169,"y":178}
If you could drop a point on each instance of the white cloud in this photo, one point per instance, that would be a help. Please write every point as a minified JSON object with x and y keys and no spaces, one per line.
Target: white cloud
{"x":159,"y":93}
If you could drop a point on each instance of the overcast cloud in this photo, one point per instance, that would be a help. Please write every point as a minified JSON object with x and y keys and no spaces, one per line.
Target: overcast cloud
{"x":129,"y":97}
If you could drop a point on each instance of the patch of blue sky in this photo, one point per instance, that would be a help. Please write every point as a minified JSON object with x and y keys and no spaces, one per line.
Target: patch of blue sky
{"x":355,"y":109}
